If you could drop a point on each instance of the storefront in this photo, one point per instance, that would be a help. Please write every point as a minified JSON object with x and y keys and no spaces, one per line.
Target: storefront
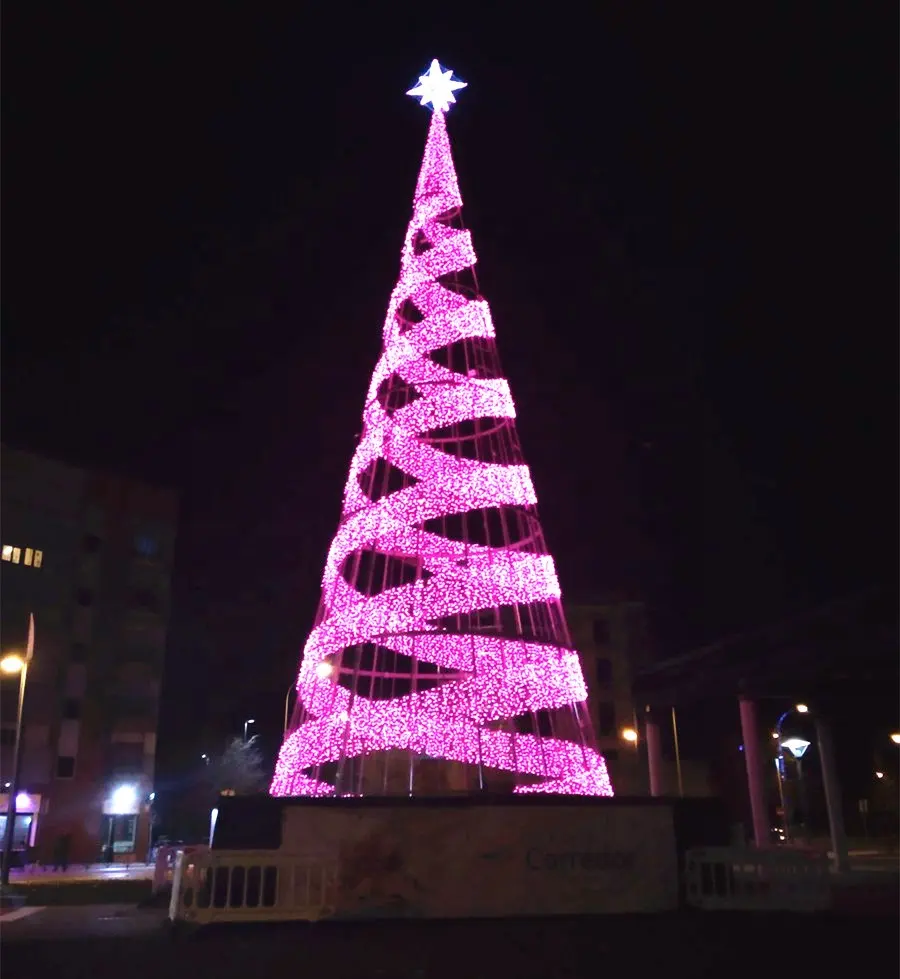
{"x":28,"y":811}
{"x":121,"y":836}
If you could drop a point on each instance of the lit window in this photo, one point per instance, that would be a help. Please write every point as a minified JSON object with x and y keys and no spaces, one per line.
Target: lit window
{"x":32,"y":558}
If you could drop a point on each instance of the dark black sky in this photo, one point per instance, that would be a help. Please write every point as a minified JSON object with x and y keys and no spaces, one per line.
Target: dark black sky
{"x":687,"y":227}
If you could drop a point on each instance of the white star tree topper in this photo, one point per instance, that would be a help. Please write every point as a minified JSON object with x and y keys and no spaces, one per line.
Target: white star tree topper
{"x":437,"y":87}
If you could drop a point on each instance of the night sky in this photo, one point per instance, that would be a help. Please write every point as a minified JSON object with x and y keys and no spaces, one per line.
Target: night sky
{"x":686,"y":225}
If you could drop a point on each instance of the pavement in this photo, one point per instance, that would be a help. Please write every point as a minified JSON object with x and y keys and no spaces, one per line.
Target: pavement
{"x":82,"y":874}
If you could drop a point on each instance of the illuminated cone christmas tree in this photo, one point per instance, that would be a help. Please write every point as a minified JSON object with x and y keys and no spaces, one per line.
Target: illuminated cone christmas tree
{"x":440,"y":660}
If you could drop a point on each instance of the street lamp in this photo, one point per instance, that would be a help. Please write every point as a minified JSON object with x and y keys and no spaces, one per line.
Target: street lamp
{"x":247,"y":724}
{"x":788,"y":745}
{"x":629,"y":734}
{"x":10,"y":665}
{"x":895,"y":738}
{"x":796,"y":746}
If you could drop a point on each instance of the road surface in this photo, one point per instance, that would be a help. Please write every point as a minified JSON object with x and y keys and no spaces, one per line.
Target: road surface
{"x":108,"y":942}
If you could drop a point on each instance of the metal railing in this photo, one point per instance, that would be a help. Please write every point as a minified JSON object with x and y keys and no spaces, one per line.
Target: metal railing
{"x":252,"y":885}
{"x":725,"y":878}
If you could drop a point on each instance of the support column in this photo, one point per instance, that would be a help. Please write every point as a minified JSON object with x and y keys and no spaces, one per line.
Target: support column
{"x":654,"y":753}
{"x":753,"y":760}
{"x":833,"y":801}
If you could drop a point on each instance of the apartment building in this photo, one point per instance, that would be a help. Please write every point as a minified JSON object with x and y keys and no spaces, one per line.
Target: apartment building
{"x":90,"y":556}
{"x":612,"y":637}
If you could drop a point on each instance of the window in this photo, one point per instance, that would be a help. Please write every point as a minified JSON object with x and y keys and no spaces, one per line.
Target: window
{"x":71,"y":709}
{"x":32,"y":558}
{"x":65,"y":766}
{"x":134,"y":708}
{"x":126,"y":759}
{"x":84,"y":597}
{"x":604,"y":672}
{"x":21,"y":829}
{"x":606,"y":719}
{"x":79,"y":652}
{"x":601,"y":632}
{"x":91,"y":544}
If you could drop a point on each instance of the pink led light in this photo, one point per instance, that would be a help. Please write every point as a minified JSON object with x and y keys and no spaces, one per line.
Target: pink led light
{"x":492,"y":678}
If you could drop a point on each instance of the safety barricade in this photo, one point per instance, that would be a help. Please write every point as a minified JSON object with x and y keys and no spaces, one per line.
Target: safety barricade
{"x":252,"y":885}
{"x":724,"y":878}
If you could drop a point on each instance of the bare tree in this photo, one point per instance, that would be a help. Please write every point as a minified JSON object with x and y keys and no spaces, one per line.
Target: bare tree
{"x":239,"y":769}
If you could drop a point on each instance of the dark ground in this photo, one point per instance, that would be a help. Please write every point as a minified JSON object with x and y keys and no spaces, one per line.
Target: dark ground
{"x":133,"y":944}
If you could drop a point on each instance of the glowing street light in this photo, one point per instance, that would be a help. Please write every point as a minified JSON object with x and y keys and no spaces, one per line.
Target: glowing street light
{"x":12,"y":663}
{"x":123,"y":801}
{"x":629,"y":734}
{"x":879,"y":775}
{"x":895,"y":738}
{"x":801,"y":709}
{"x":796,"y":746}
{"x":247,"y":723}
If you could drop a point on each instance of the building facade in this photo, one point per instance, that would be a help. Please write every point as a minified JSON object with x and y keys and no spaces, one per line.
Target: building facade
{"x":613,"y":640}
{"x":90,"y":556}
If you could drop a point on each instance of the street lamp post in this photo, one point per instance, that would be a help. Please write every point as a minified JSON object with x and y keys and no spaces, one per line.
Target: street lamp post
{"x":287,"y":706}
{"x":247,"y":724}
{"x":677,"y":754}
{"x":11,"y":665}
{"x":779,"y":763}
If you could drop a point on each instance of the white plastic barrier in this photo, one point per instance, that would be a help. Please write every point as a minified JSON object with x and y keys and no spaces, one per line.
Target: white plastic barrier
{"x":252,"y":885}
{"x":724,"y":878}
